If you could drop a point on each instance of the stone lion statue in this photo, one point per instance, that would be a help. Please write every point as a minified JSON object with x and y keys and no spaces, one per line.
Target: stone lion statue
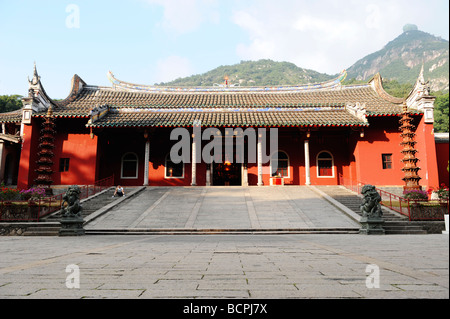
{"x":71,"y":202}
{"x":370,"y":206}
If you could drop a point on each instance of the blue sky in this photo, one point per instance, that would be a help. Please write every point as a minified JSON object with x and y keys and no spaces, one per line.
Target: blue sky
{"x":151,"y":41}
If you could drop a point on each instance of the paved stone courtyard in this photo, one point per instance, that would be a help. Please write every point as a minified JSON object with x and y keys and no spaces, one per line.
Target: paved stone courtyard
{"x":226,"y":266}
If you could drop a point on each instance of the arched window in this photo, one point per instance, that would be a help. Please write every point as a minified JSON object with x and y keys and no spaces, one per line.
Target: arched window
{"x":325,"y":164}
{"x":279,"y":164}
{"x":129,"y":167}
{"x":173,"y":170}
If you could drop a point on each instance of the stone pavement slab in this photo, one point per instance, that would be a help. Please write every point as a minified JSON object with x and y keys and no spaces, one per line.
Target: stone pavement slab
{"x":226,"y":266}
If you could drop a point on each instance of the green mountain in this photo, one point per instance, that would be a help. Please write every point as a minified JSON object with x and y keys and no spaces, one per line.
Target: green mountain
{"x":399,"y":61}
{"x":402,"y":59}
{"x":254,"y":73}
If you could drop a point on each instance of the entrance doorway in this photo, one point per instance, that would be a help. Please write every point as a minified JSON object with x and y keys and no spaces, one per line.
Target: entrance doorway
{"x":227,"y":174}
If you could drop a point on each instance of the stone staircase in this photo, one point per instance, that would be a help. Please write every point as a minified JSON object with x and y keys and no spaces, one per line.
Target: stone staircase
{"x":49,"y":225}
{"x":43,"y":229}
{"x":394,"y":223}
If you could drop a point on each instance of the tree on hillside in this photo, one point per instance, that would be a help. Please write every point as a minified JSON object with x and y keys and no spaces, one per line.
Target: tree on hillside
{"x":10,"y":103}
{"x":441,"y":114}
{"x":397,"y":89}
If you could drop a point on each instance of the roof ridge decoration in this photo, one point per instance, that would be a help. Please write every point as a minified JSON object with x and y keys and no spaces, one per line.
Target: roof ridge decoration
{"x":94,"y":112}
{"x":37,"y":99}
{"x":358,"y":110}
{"x":77,"y":85}
{"x":131,"y":87}
{"x":421,"y":88}
{"x":377,"y":84}
{"x":420,"y":99}
{"x":98,"y":112}
{"x":36,"y":91}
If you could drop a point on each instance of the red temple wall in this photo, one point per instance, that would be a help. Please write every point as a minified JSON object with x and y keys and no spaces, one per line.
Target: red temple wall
{"x":442,"y":154}
{"x":71,"y":141}
{"x":28,"y":155}
{"x":354,"y":157}
{"x":381,"y":137}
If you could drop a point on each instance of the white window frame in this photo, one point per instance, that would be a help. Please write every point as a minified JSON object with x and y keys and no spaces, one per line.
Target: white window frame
{"x":165,"y":169}
{"x":332,"y":165}
{"x":137,"y":166}
{"x":288,"y":163}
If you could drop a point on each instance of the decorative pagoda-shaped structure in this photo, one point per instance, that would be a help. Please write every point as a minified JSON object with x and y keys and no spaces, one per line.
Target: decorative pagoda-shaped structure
{"x":410,"y":169}
{"x":45,"y":154}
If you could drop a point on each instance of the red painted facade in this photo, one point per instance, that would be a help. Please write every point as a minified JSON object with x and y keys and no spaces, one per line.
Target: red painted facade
{"x":353,"y":157}
{"x":368,"y":152}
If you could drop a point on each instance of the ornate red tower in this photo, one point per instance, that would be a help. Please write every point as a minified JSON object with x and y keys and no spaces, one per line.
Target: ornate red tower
{"x":409,"y":160}
{"x":46,"y":146}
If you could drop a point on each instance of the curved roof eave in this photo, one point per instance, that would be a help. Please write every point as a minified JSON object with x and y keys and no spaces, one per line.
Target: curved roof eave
{"x":376,"y":83}
{"x":77,"y":85}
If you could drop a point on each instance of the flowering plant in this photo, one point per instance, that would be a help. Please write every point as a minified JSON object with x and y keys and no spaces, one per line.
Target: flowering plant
{"x":8,"y":194}
{"x":33,"y":193}
{"x":416,"y":194}
{"x":443,"y":192}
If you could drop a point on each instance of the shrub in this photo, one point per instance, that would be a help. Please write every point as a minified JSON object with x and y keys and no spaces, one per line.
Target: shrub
{"x":416,"y":194}
{"x":11,"y":194}
{"x":8,"y":194}
{"x":33,"y":193}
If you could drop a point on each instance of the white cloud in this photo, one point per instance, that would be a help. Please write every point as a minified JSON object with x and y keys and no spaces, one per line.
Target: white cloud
{"x":325,"y":35}
{"x":187,"y":15}
{"x":172,"y":67}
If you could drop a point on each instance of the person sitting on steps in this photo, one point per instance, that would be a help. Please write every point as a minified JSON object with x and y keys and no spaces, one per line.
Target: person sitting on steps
{"x":119,"y":191}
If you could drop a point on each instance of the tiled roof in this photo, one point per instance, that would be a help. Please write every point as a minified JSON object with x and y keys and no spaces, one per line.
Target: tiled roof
{"x":11,"y":117}
{"x":145,"y":118}
{"x":300,"y":106}
{"x":91,"y":97}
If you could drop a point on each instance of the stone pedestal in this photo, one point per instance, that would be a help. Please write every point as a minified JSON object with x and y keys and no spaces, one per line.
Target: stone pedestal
{"x":72,"y":226}
{"x":371,"y":226}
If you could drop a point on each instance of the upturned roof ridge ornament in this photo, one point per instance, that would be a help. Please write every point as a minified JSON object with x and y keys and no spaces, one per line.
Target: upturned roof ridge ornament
{"x":36,"y":78}
{"x":227,"y":83}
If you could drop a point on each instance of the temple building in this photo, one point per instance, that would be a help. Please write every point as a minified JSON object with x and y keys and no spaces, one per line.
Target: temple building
{"x":327,"y":133}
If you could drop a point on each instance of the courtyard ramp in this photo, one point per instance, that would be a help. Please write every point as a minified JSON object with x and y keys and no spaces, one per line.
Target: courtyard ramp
{"x":222,"y":210}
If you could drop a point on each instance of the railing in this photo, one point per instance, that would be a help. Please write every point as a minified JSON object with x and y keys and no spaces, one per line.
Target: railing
{"x":34,"y":210}
{"x":394,"y":202}
{"x":428,"y":210}
{"x":413,"y":209}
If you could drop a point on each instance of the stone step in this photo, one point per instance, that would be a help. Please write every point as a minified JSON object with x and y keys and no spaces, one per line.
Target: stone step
{"x":401,"y":227}
{"x":405,"y":232}
{"x":46,"y":229}
{"x":92,"y":204}
{"x":394,"y":224}
{"x":180,"y":231}
{"x":41,"y":233}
